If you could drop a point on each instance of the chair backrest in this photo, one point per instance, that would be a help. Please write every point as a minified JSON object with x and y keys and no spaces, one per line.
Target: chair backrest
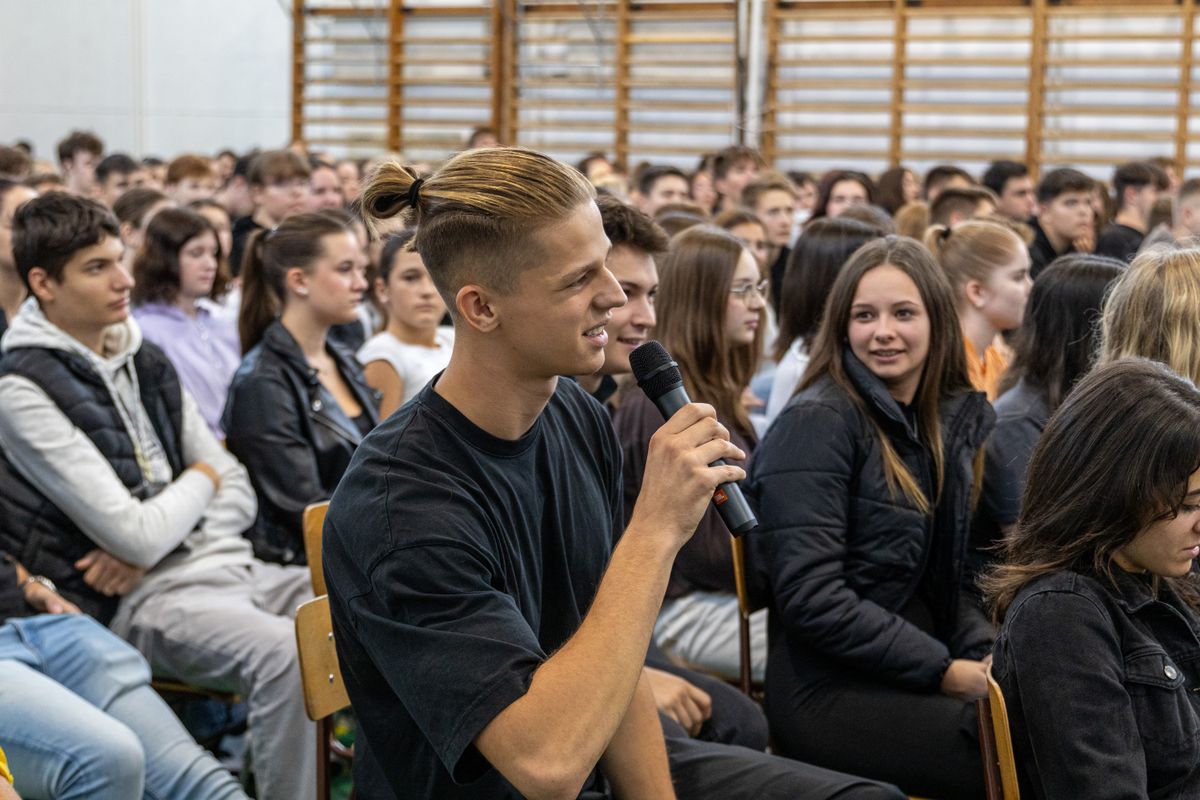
{"x":324,"y":691}
{"x":1004,"y":747}
{"x":746,"y":607}
{"x":314,"y":524}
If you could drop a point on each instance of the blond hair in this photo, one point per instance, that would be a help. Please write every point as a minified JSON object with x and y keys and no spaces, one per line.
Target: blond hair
{"x":972,"y":251}
{"x":1153,"y":311}
{"x":477,"y":214}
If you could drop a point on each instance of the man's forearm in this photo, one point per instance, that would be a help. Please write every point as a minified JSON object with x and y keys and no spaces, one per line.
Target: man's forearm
{"x":635,"y":762}
{"x":578,"y":698}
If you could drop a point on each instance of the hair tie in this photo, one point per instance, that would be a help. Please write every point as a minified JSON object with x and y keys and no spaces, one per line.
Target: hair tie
{"x":414,"y":192}
{"x":945,"y":234}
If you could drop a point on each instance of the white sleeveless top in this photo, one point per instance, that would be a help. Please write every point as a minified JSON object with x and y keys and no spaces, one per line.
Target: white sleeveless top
{"x":414,"y":363}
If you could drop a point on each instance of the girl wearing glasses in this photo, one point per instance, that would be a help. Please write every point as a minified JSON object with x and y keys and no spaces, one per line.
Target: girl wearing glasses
{"x":711,"y":309}
{"x":864,"y":488}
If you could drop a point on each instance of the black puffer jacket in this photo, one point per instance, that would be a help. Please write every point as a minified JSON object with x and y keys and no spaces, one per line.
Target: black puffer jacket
{"x":292,"y":435}
{"x":843,"y":557}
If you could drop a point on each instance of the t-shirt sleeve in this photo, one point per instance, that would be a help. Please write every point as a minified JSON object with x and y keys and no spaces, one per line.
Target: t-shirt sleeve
{"x":452,"y":646}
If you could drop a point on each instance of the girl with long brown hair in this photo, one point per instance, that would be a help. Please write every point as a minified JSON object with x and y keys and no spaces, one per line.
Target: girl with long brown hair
{"x":864,"y":487}
{"x":711,"y":310}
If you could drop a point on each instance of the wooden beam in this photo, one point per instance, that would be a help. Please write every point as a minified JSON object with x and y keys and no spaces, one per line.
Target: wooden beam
{"x":298,"y":23}
{"x":1034,"y":107}
{"x":395,"y":100}
{"x":895,"y":127}
{"x":623,"y":81}
{"x":1184,"y":103}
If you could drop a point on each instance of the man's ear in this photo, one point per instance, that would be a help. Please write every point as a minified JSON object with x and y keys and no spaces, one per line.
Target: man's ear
{"x":476,"y":305}
{"x":42,"y":286}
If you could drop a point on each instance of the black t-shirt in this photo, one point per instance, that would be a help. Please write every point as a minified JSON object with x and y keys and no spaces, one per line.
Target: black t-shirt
{"x":240,"y":234}
{"x":1119,"y":241}
{"x":1042,"y":252}
{"x":456,"y":563}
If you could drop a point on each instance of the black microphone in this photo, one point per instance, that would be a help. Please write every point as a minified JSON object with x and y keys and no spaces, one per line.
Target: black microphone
{"x":659,"y":377}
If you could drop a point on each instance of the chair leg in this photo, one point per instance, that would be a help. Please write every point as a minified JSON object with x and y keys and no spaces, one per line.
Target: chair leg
{"x":324,"y":729}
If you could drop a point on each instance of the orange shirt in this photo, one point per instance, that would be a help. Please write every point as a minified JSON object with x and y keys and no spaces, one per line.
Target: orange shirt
{"x":985,"y":373}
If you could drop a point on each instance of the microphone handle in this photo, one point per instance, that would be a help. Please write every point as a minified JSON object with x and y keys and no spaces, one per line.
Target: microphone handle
{"x":730,"y":502}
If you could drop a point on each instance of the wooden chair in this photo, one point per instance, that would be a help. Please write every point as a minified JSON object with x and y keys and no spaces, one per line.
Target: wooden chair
{"x":746,"y":607}
{"x":324,"y":691}
{"x":995,"y":745}
{"x":314,"y":523}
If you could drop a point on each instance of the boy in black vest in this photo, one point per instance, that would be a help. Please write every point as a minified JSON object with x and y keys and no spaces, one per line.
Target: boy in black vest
{"x":114,"y":488}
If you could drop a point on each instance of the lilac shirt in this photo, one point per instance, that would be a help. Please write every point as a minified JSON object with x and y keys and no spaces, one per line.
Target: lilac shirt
{"x":205,"y":351}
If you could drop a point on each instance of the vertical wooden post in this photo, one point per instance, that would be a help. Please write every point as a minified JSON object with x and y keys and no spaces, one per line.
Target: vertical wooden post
{"x":1036,"y":102}
{"x":298,"y":25}
{"x":395,"y":76}
{"x":510,"y":42}
{"x":496,"y":70}
{"x":1185,"y":87}
{"x":899,"y":46}
{"x":621,"y":87}
{"x":770,"y":102}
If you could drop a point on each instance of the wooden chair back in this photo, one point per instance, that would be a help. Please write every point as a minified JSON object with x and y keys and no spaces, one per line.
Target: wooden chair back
{"x":314,"y":524}
{"x":995,"y":745}
{"x":746,"y":607}
{"x":321,"y":678}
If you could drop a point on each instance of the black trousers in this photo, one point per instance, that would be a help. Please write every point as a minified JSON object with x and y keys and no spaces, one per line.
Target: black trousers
{"x":927,"y":744}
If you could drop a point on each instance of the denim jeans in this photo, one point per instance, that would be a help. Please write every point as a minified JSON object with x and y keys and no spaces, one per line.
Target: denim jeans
{"x":78,"y":719}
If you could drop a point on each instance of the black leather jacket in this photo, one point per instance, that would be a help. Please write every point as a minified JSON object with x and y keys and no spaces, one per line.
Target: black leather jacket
{"x":846,"y":560}
{"x":292,"y":435}
{"x":1101,"y":682}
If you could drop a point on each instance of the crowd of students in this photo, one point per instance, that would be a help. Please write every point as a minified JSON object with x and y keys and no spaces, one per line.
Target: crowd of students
{"x":531,"y":594}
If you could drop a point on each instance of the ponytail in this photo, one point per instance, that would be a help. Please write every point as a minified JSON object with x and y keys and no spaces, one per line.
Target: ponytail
{"x":295,"y":242}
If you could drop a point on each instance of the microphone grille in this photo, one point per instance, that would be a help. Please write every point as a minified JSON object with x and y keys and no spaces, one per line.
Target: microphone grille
{"x":654,"y":369}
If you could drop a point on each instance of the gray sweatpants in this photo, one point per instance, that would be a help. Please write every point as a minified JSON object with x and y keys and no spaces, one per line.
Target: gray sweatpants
{"x":232,"y":629}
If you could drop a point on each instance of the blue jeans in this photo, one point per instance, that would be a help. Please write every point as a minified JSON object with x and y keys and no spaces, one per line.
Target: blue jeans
{"x":78,"y":719}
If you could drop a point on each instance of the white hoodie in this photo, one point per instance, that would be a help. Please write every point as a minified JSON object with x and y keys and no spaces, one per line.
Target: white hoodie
{"x":63,"y":464}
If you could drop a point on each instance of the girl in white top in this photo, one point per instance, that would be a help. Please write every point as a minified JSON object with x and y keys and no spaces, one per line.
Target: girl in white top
{"x":412,"y":348}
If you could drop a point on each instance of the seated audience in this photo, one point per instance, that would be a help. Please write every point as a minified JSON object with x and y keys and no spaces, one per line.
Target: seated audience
{"x":298,"y":405}
{"x":278,"y":181}
{"x":350,"y":175}
{"x":657,"y":186}
{"x":1096,"y":597}
{"x":711,"y":309}
{"x":80,"y":721}
{"x":1136,"y":188}
{"x":190,"y":178}
{"x":116,"y":490}
{"x":701,"y":180}
{"x":1016,"y":196}
{"x":733,"y":168}
{"x":179,"y":277}
{"x":954,"y":206}
{"x":324,"y":187}
{"x":234,"y":195}
{"x":12,"y":288}
{"x":1184,"y":229}
{"x":133,"y":211}
{"x":864,"y":487}
{"x":942,"y":177}
{"x":219,"y":218}
{"x":750,"y":231}
{"x":1064,"y":214}
{"x":115,"y":175}
{"x":403,"y":357}
{"x":897,"y":188}
{"x":78,"y":155}
{"x":1055,"y":347}
{"x":988,"y":267}
{"x":806,"y":198}
{"x":772,"y":198}
{"x":819,"y":256}
{"x":841,"y":189}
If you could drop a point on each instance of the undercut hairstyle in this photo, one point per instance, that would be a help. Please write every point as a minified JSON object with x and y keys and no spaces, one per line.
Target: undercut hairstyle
{"x":1060,"y":181}
{"x":393,"y":244}
{"x":189,"y":166}
{"x":298,"y":241}
{"x":999,"y":173}
{"x":274,"y":166}
{"x":942,"y":174}
{"x":1115,"y":458}
{"x":812,"y":268}
{"x":945,"y":370}
{"x":15,"y":164}
{"x":833,"y":178}
{"x":733,"y":155}
{"x":1153,"y":311}
{"x":133,"y":205}
{"x":115,"y":164}
{"x":694,"y":281}
{"x":959,"y":201}
{"x":1059,"y":337}
{"x":652,"y":174}
{"x":48,"y":230}
{"x":478,"y":216}
{"x":771,"y":182}
{"x":625,"y":226}
{"x":79,"y":142}
{"x":156,"y":266}
{"x":1136,"y":175}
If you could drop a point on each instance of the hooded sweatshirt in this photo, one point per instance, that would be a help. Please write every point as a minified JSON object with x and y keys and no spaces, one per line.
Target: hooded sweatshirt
{"x":63,"y":464}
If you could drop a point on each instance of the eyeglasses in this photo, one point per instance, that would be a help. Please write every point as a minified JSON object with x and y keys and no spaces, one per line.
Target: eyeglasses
{"x":749,"y":290}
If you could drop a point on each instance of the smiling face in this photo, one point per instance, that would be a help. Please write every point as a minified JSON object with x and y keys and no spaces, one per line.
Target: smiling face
{"x":409,"y":295}
{"x":1167,"y":547}
{"x":889,"y":329}
{"x":631,"y":324}
{"x":744,"y":309}
{"x":198,"y":266}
